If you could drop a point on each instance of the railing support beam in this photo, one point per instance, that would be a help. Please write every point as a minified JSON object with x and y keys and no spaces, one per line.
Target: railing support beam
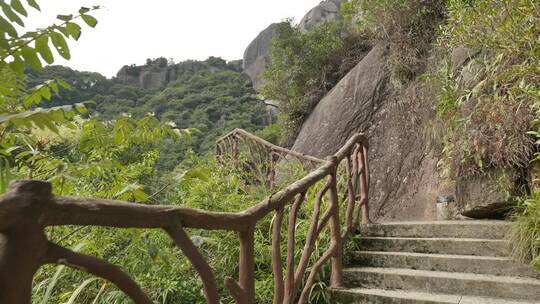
{"x":246,"y":276}
{"x":336,"y":278}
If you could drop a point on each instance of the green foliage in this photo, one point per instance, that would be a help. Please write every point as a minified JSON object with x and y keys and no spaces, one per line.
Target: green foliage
{"x":18,"y":50}
{"x":154,"y":262}
{"x":525,"y":232}
{"x":408,"y":27}
{"x":271,"y":133}
{"x":305,"y":66}
{"x":486,"y":106}
{"x":212,"y":102}
{"x":21,"y":116}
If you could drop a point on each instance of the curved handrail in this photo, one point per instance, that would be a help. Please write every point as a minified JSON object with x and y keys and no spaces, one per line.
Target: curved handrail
{"x":29,"y":206}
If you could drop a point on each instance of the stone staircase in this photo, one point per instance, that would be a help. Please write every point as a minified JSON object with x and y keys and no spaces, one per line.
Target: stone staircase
{"x":454,"y":262}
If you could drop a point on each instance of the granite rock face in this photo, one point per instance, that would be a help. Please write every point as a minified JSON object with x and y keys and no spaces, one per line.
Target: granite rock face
{"x":326,"y":11}
{"x":155,"y":77}
{"x":404,"y":181}
{"x":257,"y":55}
{"x":346,"y":109}
{"x":487,"y":195}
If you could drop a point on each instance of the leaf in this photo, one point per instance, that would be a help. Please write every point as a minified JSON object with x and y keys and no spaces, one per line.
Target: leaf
{"x":30,"y":57}
{"x":83,"y":10}
{"x":74,"y":30}
{"x":34,"y":4}
{"x":60,"y":44}
{"x":45,"y":92}
{"x":3,"y":42}
{"x":4,"y":174}
{"x":64,"y":17}
{"x":139,"y":195}
{"x":81,"y":108}
{"x":6,"y":27}
{"x":79,"y":290}
{"x":91,"y":21}
{"x":11,"y":14}
{"x":42,"y":47}
{"x":54,"y":87}
{"x":17,"y":5}
{"x":63,"y":84}
{"x":17,"y":65}
{"x":52,"y":284}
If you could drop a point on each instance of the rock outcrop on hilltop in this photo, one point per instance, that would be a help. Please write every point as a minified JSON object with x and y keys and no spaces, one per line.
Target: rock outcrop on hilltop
{"x":257,"y":54}
{"x":158,"y":73}
{"x":326,"y":11}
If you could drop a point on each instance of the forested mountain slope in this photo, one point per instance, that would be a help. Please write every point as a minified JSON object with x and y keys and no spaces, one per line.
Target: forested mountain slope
{"x":207,"y":99}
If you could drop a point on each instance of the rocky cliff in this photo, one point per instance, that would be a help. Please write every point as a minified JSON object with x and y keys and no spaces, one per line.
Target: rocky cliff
{"x":404,"y":178}
{"x":158,"y":73}
{"x":325,"y":11}
{"x":256,"y":55}
{"x":403,"y":155}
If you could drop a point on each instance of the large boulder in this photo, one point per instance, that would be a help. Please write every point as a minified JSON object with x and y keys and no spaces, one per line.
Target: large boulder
{"x":346,"y":109}
{"x":487,"y":195}
{"x":257,"y":55}
{"x":326,"y":11}
{"x":404,"y":182}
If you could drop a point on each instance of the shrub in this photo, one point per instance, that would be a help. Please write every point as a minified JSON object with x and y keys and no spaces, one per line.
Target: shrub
{"x":486,"y":108}
{"x":159,"y":266}
{"x":525,"y":231}
{"x":305,"y":66}
{"x":407,"y":26}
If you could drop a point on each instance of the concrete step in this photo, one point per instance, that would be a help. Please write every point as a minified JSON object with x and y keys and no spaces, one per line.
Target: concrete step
{"x":485,"y":229}
{"x":462,"y":246}
{"x":382,"y":296}
{"x":452,"y":283}
{"x":443,"y":262}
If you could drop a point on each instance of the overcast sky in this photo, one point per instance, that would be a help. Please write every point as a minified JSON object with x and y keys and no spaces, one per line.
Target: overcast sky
{"x":129,"y":31}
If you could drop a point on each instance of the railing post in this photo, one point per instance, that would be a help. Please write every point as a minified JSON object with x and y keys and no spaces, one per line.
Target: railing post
{"x":246,"y":276}
{"x":336,"y":278}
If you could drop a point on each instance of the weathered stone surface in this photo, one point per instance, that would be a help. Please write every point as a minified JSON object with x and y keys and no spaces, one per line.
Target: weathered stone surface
{"x":326,"y":11}
{"x":460,"y":246}
{"x":257,"y":55}
{"x":504,"y":287}
{"x":155,"y":77}
{"x":272,"y":108}
{"x":346,"y":109}
{"x":484,"y":229}
{"x":404,"y":180}
{"x":442,"y":262}
{"x":486,"y":195}
{"x":460,"y":56}
{"x":146,"y":78}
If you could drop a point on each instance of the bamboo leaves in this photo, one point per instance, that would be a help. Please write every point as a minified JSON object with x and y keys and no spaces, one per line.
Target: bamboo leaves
{"x":20,"y":50}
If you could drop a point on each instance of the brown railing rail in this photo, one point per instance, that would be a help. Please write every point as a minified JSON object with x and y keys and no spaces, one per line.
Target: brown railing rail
{"x":29,"y":206}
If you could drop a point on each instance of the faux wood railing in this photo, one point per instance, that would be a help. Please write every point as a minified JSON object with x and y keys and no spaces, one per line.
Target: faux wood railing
{"x":262,"y":157}
{"x":29,"y":207}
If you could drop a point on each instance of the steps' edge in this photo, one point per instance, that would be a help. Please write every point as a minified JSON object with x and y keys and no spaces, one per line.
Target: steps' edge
{"x":461,"y":246}
{"x":474,"y":285}
{"x":492,"y":229}
{"x":447,"y":275}
{"x":419,"y":297}
{"x":490,"y":265}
